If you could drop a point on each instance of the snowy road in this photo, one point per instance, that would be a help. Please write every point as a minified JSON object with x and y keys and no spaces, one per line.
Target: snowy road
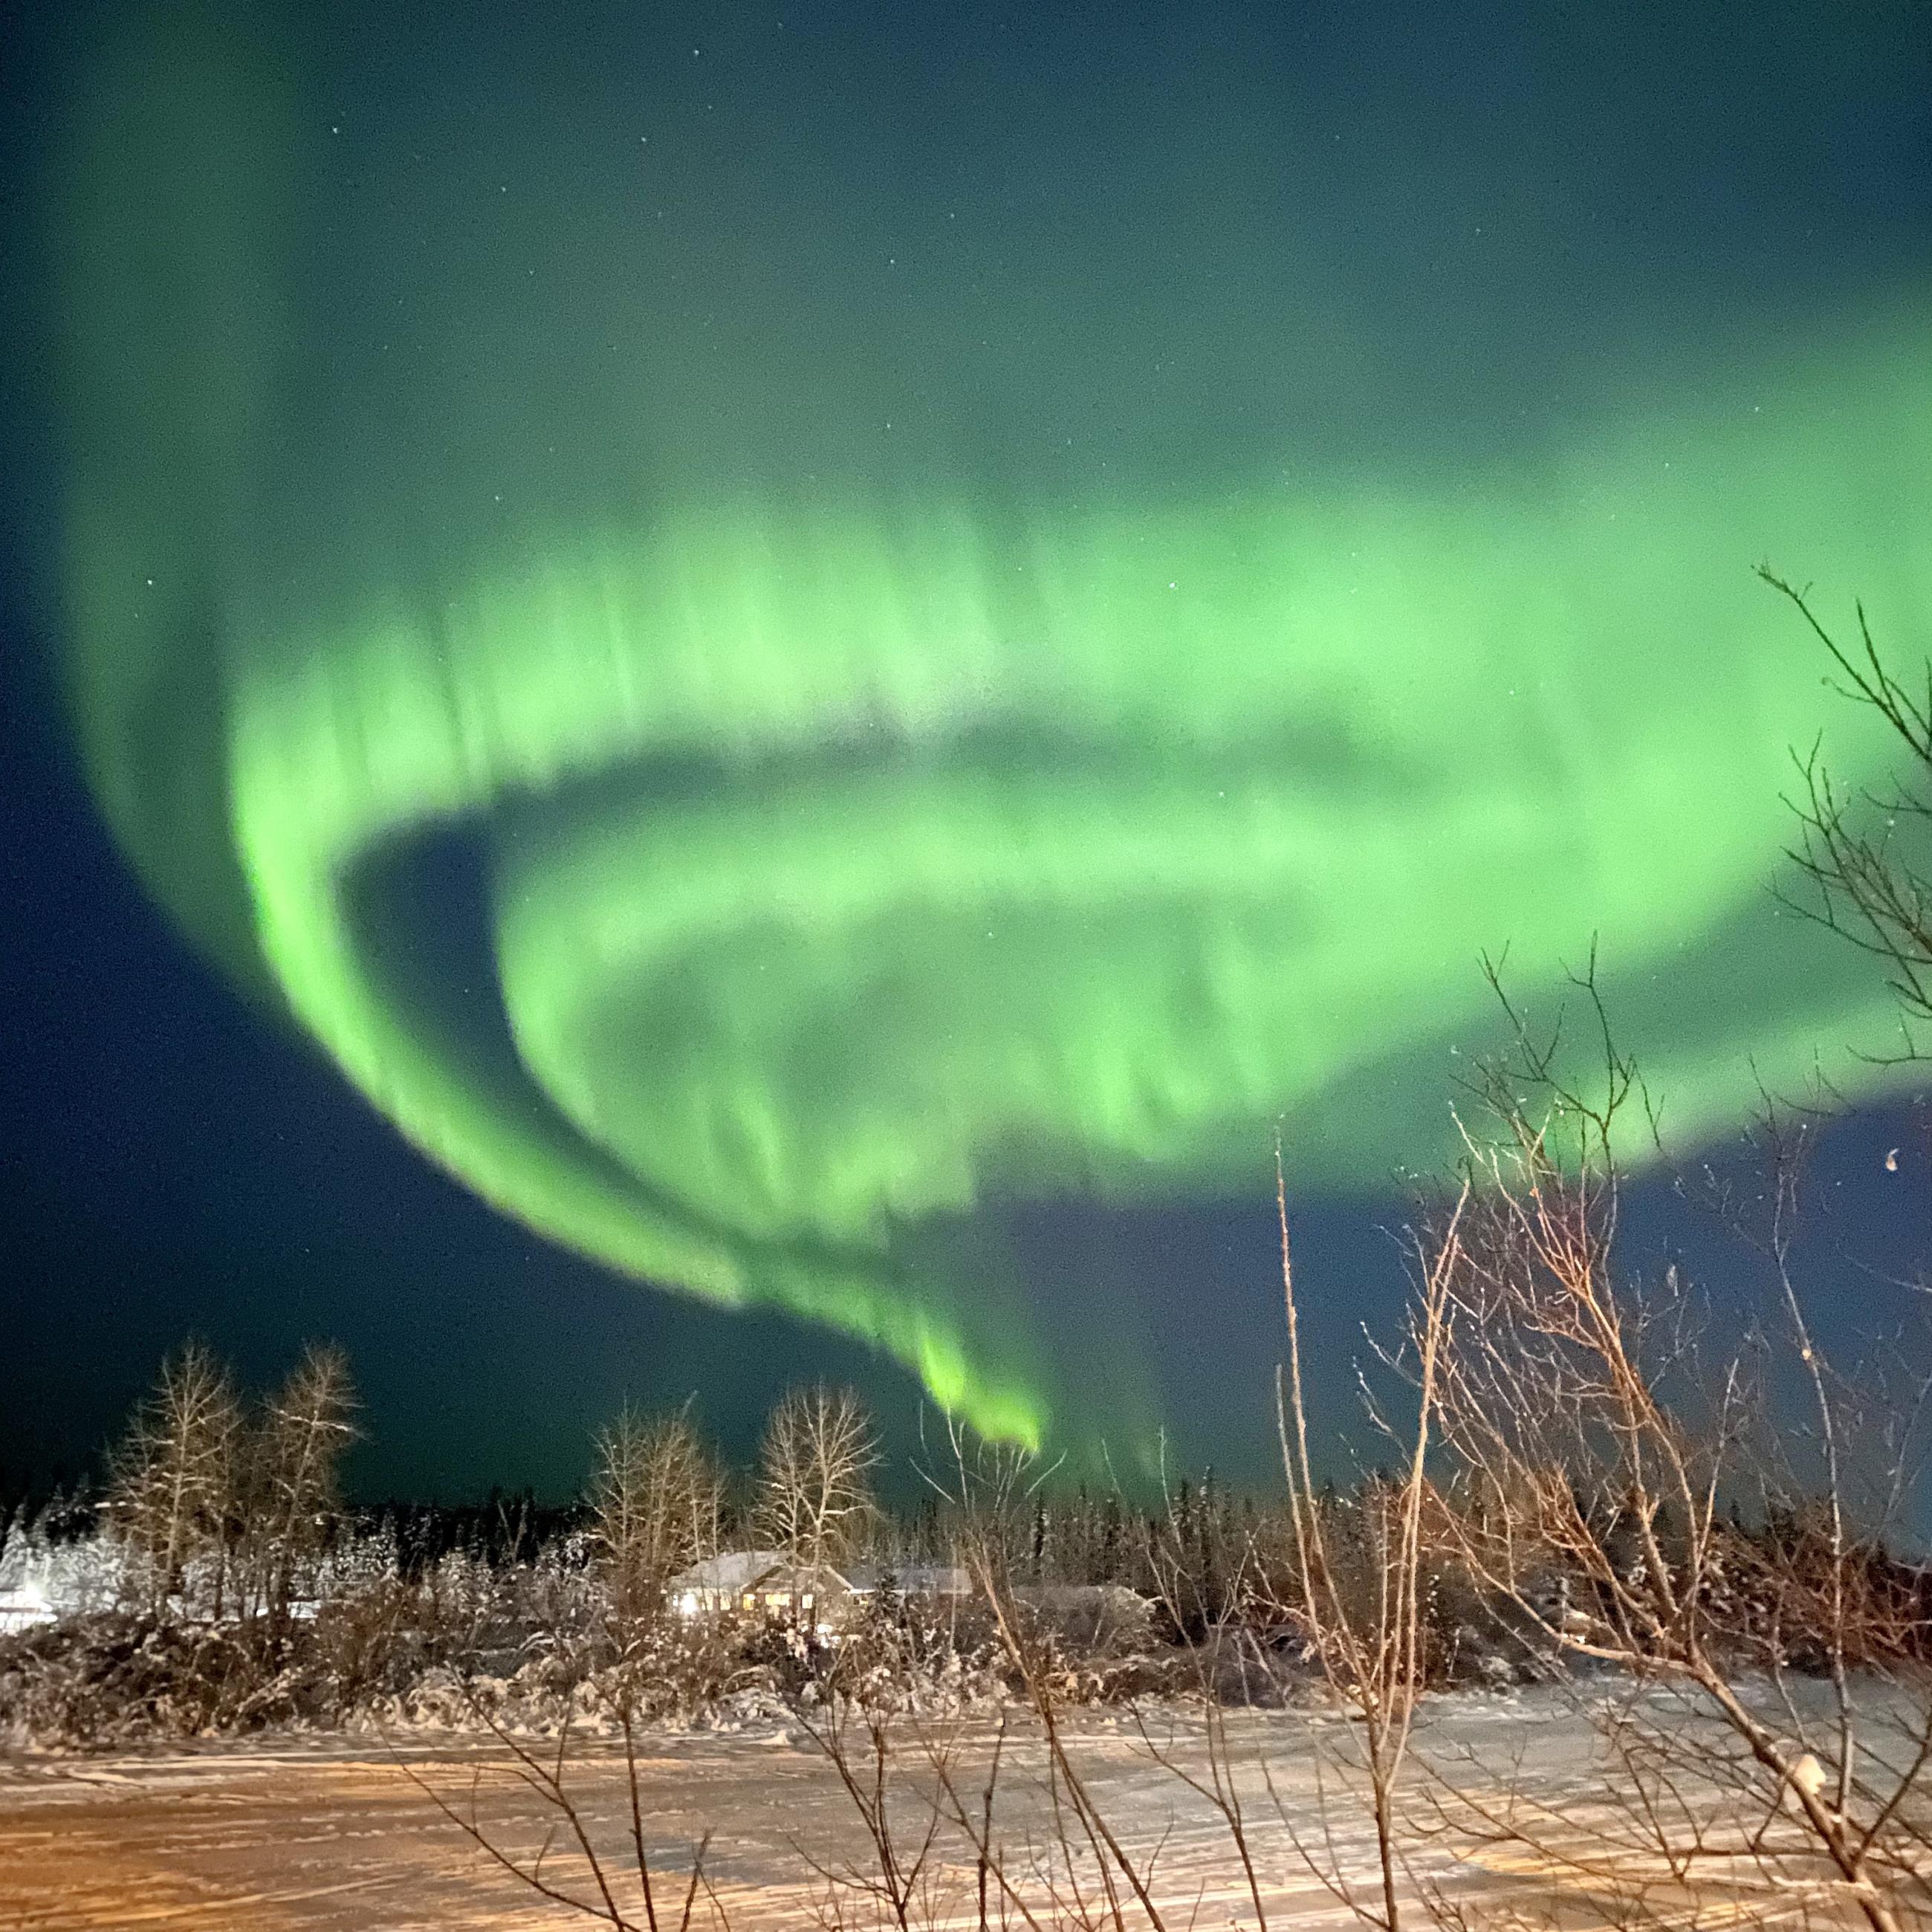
{"x":338,"y":1834}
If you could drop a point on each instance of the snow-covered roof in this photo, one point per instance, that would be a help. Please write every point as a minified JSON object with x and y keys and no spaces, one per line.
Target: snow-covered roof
{"x":912,"y":1579}
{"x":738,"y":1573}
{"x":735,"y":1571}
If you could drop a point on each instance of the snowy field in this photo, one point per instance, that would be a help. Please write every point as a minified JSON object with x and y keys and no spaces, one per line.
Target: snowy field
{"x":336,"y":1833}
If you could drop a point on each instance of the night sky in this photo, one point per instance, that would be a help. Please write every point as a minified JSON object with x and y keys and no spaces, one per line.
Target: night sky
{"x":832,"y":656}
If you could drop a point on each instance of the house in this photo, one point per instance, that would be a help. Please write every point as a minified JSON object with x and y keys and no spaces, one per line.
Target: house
{"x":775,"y":1582}
{"x":911,"y":1579}
{"x":42,"y":1582}
{"x":25,"y":1603}
{"x":769,"y":1580}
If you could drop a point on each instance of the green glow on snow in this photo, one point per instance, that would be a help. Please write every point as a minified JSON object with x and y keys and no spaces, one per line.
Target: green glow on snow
{"x":848,"y":859}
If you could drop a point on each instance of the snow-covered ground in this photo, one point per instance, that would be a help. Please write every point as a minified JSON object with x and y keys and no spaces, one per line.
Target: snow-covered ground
{"x":338,"y":1833}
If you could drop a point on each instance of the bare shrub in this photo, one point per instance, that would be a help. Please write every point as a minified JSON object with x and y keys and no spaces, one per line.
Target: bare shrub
{"x":1863,"y":855}
{"x":570,"y":1866}
{"x":1362,"y":1601}
{"x":1603,"y":1451}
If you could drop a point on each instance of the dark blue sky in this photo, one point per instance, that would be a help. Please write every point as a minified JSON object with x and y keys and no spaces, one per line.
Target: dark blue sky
{"x":176,"y":1161}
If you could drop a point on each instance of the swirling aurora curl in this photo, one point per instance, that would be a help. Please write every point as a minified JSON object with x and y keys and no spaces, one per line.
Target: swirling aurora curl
{"x":736,"y":889}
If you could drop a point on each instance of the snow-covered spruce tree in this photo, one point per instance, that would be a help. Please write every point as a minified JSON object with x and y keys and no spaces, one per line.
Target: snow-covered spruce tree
{"x":171,"y":1498}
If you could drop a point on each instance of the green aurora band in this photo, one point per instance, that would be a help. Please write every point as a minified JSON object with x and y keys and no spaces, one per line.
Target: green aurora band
{"x":850,"y":859}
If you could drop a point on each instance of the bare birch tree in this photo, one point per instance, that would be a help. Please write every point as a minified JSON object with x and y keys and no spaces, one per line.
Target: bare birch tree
{"x":656,"y":1498}
{"x":305,"y":1430}
{"x":171,"y":1497}
{"x":815,"y":1490}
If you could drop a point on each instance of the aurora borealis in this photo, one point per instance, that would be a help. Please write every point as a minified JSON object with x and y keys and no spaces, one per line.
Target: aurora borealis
{"x":754,"y":779}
